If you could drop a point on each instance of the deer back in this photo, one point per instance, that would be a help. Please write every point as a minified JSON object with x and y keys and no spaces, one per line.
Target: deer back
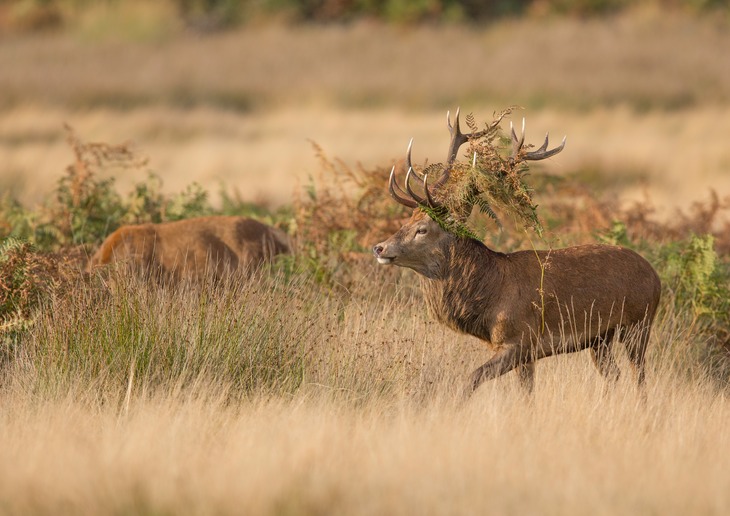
{"x":192,"y":248}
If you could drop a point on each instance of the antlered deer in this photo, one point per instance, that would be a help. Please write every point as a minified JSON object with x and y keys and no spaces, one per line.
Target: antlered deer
{"x":193,"y":248}
{"x":526,"y":305}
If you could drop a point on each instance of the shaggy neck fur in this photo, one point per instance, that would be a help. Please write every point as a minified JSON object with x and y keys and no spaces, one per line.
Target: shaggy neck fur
{"x":467,"y":284}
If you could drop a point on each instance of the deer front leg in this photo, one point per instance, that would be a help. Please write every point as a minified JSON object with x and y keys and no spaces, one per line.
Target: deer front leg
{"x":603,"y":357}
{"x":503,"y":361}
{"x":526,"y":375}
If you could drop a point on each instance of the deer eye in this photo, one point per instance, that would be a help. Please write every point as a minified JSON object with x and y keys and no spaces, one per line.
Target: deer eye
{"x":421,"y":231}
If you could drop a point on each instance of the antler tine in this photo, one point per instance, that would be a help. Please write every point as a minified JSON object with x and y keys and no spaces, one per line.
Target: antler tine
{"x":536,"y":155}
{"x":393,"y":185}
{"x":431,"y":202}
{"x":414,"y":195}
{"x":517,"y":143}
{"x":442,"y":180}
{"x":543,"y":153}
{"x":408,"y":162}
{"x":457,"y":138}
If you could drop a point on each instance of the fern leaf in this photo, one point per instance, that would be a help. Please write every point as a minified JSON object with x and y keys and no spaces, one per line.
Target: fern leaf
{"x":471,"y":122}
{"x":485,"y":208}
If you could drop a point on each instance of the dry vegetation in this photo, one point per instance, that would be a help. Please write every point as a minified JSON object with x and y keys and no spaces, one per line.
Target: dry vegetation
{"x":320,"y":385}
{"x":278,"y":399}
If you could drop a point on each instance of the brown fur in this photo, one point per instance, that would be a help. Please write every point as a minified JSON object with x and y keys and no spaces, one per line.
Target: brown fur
{"x":531,"y":304}
{"x":193,"y":248}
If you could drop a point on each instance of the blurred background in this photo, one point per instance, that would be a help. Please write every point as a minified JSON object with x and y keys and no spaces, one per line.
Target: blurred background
{"x":232,"y":94}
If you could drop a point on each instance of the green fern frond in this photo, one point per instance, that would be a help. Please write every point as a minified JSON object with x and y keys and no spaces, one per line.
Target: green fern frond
{"x":441,"y":216}
{"x":485,"y":208}
{"x":434,"y":170}
{"x":8,"y":245}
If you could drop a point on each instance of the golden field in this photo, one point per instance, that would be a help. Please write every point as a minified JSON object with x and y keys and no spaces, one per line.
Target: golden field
{"x":360,"y":413}
{"x":286,"y":393}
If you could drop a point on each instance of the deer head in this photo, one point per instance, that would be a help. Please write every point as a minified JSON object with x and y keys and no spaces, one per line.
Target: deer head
{"x":419,"y":243}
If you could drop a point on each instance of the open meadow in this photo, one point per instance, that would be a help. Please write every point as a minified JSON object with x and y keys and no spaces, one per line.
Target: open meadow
{"x":319,"y":384}
{"x":643,"y":100}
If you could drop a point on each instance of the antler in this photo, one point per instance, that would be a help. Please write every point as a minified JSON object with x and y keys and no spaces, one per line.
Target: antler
{"x":398,"y":196}
{"x":411,"y":199}
{"x":457,"y":140}
{"x":536,"y":155}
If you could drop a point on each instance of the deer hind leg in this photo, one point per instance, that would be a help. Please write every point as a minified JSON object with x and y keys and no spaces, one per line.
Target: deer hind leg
{"x":637,"y":340}
{"x":603,"y":357}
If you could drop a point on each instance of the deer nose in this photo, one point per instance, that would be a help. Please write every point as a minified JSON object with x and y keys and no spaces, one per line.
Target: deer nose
{"x":377,"y":249}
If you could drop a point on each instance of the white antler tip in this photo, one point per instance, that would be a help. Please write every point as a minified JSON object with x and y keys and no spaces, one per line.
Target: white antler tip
{"x":474,"y":161}
{"x":523,"y":125}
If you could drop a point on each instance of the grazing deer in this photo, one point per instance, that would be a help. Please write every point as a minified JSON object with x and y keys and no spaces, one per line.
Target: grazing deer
{"x":193,"y":248}
{"x":526,"y":305}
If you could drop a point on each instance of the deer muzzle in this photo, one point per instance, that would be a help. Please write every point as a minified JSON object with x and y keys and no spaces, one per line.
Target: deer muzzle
{"x":378,"y":251}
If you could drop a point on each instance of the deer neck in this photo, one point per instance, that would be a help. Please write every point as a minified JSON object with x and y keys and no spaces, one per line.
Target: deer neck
{"x":469,"y":280}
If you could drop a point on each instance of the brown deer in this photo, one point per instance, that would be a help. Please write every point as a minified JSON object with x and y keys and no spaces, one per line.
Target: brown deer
{"x":191,"y":249}
{"x":525,"y":305}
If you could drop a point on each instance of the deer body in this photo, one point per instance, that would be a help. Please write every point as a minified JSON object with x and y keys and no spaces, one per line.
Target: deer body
{"x":516,"y":300}
{"x":529,"y":305}
{"x":193,"y":248}
{"x":525,"y":305}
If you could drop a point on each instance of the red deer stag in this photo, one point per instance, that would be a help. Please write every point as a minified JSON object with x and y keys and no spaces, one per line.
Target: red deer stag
{"x":193,"y":248}
{"x":525,"y":305}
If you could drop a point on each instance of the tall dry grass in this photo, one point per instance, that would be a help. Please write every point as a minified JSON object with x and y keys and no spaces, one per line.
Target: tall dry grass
{"x":277,"y":393}
{"x":263,"y":399}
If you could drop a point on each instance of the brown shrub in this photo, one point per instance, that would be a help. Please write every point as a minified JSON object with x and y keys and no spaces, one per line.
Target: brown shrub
{"x":27,"y":278}
{"x":577,"y":215}
{"x":344,"y":199}
{"x":708,"y":217}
